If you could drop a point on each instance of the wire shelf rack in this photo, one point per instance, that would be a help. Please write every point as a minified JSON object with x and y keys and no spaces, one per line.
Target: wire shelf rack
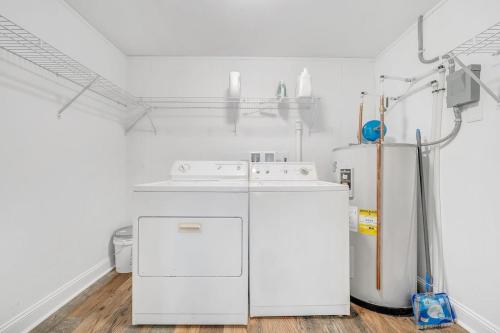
{"x":486,"y":42}
{"x":27,"y":46}
{"x":243,"y":103}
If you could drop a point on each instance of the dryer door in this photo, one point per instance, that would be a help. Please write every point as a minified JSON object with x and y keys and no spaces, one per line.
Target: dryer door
{"x":190,"y":246}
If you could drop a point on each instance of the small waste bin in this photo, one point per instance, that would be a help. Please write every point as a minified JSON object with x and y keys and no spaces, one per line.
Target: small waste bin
{"x":122,"y":240}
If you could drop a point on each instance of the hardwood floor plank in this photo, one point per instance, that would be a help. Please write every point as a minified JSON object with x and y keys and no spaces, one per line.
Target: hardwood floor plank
{"x":95,"y":299}
{"x":235,"y":329}
{"x":106,"y":307}
{"x":63,"y":317}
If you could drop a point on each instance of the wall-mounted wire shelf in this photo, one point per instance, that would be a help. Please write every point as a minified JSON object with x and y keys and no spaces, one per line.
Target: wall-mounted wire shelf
{"x":245,"y":105}
{"x":240,"y":103}
{"x":29,"y":47}
{"x":25,"y":45}
{"x":486,"y":42}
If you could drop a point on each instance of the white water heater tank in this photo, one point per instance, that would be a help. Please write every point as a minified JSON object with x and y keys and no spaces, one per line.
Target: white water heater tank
{"x":355,"y":166}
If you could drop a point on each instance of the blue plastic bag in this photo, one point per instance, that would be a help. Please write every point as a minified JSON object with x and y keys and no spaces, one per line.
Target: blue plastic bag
{"x":432,"y":310}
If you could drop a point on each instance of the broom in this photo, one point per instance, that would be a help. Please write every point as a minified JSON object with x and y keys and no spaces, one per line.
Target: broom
{"x":431,"y":310}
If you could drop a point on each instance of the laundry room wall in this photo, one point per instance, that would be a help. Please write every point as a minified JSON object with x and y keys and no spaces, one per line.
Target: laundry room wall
{"x":209,"y":134}
{"x":63,"y":181}
{"x":469,"y":172}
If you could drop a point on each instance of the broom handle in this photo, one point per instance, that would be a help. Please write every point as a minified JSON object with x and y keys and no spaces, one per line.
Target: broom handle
{"x":423,"y":203}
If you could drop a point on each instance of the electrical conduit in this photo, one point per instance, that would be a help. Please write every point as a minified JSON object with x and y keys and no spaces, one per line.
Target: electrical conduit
{"x":298,"y":140}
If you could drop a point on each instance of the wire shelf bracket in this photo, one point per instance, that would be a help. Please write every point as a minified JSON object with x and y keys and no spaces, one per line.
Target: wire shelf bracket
{"x":145,"y":114}
{"x":71,"y":101}
{"x":25,"y":45}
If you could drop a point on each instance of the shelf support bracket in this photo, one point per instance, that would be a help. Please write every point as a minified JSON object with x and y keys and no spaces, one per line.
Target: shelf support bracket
{"x":71,"y":101}
{"x":477,"y":80}
{"x":141,"y":116}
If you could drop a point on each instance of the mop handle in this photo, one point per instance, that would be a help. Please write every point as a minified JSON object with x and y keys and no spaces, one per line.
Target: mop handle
{"x":423,"y":203}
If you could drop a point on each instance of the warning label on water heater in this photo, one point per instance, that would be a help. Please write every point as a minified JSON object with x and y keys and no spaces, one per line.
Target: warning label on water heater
{"x":367,"y":222}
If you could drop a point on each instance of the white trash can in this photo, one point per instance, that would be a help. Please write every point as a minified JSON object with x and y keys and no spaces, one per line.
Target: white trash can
{"x":122,"y":240}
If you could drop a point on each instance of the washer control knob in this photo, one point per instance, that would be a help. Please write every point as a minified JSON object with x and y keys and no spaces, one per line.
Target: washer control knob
{"x":184,"y":167}
{"x":304,"y":171}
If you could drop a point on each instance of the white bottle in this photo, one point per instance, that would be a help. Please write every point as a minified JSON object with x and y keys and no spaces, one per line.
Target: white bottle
{"x":304,"y":88}
{"x":234,"y":84}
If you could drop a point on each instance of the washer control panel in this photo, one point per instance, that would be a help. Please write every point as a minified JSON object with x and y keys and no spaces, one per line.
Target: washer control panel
{"x":283,"y":171}
{"x":199,"y":170}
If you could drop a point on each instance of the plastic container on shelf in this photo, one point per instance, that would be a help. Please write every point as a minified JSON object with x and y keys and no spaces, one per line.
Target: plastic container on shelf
{"x":304,"y":86}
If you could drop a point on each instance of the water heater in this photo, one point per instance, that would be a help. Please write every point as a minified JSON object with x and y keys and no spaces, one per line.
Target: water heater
{"x":356,"y":166}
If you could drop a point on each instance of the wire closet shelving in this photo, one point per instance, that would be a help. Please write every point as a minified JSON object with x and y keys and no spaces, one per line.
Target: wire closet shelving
{"x":486,"y":42}
{"x":245,"y":106}
{"x":242,"y":103}
{"x":29,"y":47}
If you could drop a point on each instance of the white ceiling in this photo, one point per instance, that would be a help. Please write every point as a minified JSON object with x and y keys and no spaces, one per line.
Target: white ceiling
{"x":296,"y":28}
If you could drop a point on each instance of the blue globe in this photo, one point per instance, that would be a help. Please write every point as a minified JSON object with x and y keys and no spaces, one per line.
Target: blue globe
{"x":371,"y":130}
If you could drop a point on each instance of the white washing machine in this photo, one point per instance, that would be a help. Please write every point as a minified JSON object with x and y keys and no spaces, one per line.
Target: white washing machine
{"x":190,"y":259}
{"x":299,"y":242}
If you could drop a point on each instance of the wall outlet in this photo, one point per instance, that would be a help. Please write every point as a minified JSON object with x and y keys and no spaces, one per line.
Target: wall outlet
{"x":267,"y":156}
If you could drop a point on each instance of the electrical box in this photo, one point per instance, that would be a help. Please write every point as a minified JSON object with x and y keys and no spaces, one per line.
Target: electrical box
{"x":462,"y":89}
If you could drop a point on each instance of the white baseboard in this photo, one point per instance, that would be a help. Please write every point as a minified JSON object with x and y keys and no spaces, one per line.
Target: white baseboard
{"x":471,"y":321}
{"x":38,"y":312}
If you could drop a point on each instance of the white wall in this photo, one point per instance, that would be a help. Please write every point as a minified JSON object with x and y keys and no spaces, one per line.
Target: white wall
{"x":469,"y":175}
{"x":63,"y":181}
{"x":208,"y":134}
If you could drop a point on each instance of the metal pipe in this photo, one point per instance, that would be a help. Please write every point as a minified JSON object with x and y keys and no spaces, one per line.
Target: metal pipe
{"x":379,"y":195}
{"x":421,"y":43}
{"x":427,"y":74}
{"x":298,"y":140}
{"x":379,"y":216}
{"x":360,"y":118}
{"x":408,"y":94}
{"x":396,"y":78}
{"x":382,"y":117}
{"x":414,"y":91}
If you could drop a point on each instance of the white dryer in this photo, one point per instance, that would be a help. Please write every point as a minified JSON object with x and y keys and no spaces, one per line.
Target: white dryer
{"x":299,"y":242}
{"x":190,"y":259}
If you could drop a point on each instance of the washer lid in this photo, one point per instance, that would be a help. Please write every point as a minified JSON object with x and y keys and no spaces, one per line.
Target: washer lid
{"x":194,"y":186}
{"x":295,"y":185}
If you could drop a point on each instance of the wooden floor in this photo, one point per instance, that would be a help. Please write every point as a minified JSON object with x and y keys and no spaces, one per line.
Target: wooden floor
{"x":106,"y":307}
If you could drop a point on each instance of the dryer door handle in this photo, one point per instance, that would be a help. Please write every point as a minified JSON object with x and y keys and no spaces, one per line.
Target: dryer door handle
{"x":189,"y":226}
